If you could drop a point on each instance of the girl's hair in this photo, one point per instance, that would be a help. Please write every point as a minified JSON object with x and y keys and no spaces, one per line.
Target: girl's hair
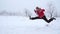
{"x":37,"y":7}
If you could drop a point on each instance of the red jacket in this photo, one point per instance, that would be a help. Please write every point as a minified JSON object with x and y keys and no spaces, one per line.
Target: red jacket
{"x":40,"y":12}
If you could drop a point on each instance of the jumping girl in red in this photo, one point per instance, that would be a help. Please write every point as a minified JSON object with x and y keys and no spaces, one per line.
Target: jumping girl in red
{"x":40,"y":13}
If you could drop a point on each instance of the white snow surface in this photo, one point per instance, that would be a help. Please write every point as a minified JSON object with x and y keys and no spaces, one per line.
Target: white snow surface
{"x":23,"y":25}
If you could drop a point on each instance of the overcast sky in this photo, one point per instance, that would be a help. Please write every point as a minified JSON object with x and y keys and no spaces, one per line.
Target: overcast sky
{"x":19,"y":5}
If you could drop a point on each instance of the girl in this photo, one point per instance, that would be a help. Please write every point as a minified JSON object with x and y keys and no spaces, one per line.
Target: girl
{"x":40,"y":13}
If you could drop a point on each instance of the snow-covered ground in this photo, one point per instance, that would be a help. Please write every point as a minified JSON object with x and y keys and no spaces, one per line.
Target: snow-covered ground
{"x":23,"y":25}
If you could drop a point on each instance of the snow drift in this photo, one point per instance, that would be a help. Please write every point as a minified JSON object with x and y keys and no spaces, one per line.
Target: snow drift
{"x":23,"y":25}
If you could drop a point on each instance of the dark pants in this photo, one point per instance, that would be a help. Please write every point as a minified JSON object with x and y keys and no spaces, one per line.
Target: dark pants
{"x":44,"y":18}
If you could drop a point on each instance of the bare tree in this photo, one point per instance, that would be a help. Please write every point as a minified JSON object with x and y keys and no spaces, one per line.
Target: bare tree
{"x":52,"y":9}
{"x":27,"y":12}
